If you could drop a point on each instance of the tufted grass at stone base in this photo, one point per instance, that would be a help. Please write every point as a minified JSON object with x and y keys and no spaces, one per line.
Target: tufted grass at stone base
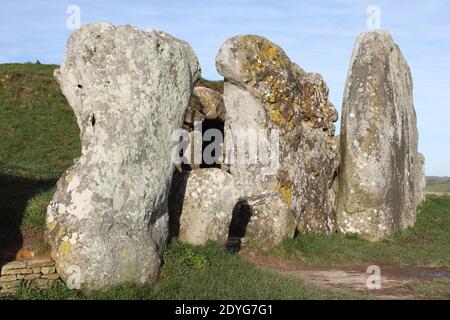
{"x":35,"y":210}
{"x":207,"y":272}
{"x":434,"y":289}
{"x":426,"y":244}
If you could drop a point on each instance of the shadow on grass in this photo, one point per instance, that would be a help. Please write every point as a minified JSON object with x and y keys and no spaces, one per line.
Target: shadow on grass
{"x":15,"y":192}
{"x":176,"y":200}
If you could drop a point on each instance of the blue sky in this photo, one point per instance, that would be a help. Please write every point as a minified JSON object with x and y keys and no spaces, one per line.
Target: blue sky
{"x":318,"y":35}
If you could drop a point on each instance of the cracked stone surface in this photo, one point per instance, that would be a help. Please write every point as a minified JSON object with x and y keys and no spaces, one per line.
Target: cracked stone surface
{"x":381,"y":176}
{"x":207,"y":209}
{"x":129,"y":89}
{"x":265,"y":90}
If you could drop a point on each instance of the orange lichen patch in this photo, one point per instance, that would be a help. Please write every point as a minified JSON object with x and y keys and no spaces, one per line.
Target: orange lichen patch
{"x":287,"y":195}
{"x":24,"y":254}
{"x":314,"y":103}
{"x":275,"y":115}
{"x":272,"y":78}
{"x":271,"y":52}
{"x":284,"y":186}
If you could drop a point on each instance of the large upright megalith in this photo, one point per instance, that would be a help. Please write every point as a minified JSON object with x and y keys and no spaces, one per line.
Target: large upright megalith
{"x":380,"y":166}
{"x":108,"y":222}
{"x":269,"y":98}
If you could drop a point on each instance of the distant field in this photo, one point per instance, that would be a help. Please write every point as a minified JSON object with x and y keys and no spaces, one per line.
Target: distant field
{"x":444,"y":187}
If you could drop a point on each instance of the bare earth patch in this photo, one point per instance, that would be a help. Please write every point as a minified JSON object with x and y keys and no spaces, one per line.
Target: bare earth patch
{"x":395,"y":281}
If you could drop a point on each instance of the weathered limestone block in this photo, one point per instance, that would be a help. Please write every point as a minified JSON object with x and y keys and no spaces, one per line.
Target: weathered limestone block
{"x":10,"y":284}
{"x":378,"y":187}
{"x":41,"y":262}
{"x":129,"y":89}
{"x":210,"y":198}
{"x":48,"y":270}
{"x":8,"y":278}
{"x":31,"y":276}
{"x":53,"y":276}
{"x":264,"y":90}
{"x":244,"y":118}
{"x":17,"y":271}
{"x":12,"y":266}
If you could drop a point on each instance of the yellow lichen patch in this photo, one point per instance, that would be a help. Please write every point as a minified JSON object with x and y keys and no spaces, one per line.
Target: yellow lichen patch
{"x":284,"y":186}
{"x":270,"y":53}
{"x":277,"y":63}
{"x":271,"y":77}
{"x":125,"y":253}
{"x":69,"y":177}
{"x":290,"y":126}
{"x":61,"y":232}
{"x":64,"y":248}
{"x":287,"y":194}
{"x":276,"y":116}
{"x":272,"y":98}
{"x":51,"y":226}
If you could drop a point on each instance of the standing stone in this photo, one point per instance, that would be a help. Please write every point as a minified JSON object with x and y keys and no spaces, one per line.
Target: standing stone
{"x":378,"y":187}
{"x":107,"y":223}
{"x":207,"y":210}
{"x":265,"y":92}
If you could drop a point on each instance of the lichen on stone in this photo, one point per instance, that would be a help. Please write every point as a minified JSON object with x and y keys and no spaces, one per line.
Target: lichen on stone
{"x":260,"y":79}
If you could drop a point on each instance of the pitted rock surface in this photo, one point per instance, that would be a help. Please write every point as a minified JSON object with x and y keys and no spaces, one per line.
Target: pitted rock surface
{"x":207,"y":210}
{"x":381,"y":177}
{"x":108,"y":223}
{"x":264,"y":90}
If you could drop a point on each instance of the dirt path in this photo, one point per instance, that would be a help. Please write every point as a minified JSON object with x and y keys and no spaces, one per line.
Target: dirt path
{"x":393,"y":283}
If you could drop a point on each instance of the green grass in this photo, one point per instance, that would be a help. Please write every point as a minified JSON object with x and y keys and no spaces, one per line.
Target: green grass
{"x":440,"y":187}
{"x":36,"y":209}
{"x":434,"y":289}
{"x":426,"y":244}
{"x":207,"y":272}
{"x":39,"y":140}
{"x":38,"y":130}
